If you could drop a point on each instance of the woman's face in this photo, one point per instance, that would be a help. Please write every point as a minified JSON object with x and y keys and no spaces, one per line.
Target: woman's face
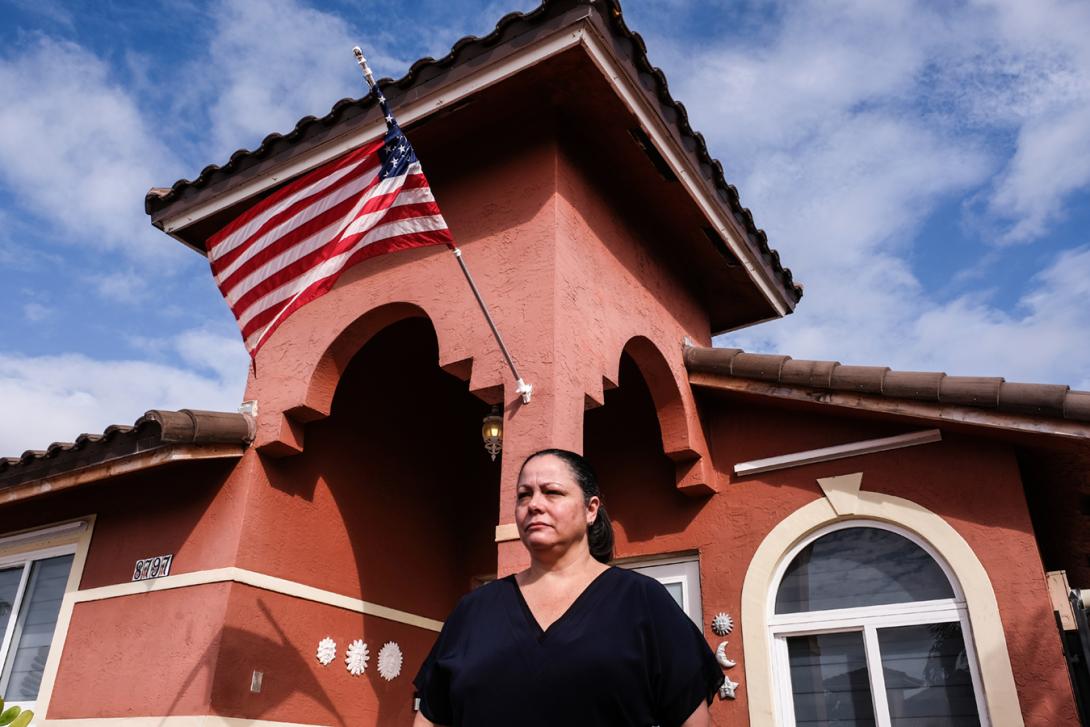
{"x":549,"y":511}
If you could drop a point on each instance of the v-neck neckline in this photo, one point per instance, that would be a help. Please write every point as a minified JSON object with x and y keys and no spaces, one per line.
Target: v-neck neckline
{"x":531,"y":620}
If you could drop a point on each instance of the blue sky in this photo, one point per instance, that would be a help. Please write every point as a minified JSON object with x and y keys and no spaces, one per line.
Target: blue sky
{"x":922,"y":166}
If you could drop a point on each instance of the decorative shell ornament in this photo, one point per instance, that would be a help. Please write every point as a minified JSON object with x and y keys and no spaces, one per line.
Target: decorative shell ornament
{"x":389,"y":661}
{"x":726,"y":690}
{"x":327,"y":651}
{"x":356,"y":658}
{"x":722,"y":624}
{"x":721,"y":656}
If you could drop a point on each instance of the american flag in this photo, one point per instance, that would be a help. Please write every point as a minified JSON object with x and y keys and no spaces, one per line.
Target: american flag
{"x":291,"y":247}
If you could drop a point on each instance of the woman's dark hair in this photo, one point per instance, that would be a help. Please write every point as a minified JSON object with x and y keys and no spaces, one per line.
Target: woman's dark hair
{"x":599,"y":532}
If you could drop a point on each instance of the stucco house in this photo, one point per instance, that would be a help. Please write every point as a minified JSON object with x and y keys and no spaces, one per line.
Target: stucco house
{"x":860,"y":545}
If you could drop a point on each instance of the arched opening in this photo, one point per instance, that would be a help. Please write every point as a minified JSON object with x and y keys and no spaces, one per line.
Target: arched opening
{"x":623,"y":441}
{"x":868,"y":627}
{"x":415,"y":486}
{"x":400,"y":513}
{"x":972,"y":607}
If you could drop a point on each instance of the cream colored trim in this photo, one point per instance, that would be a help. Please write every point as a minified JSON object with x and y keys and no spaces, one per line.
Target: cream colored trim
{"x":257,"y":580}
{"x":120,"y":466}
{"x":688,"y":174}
{"x":82,"y":538}
{"x":842,"y":492}
{"x":840,"y":451}
{"x":172,"y":721}
{"x":507,"y":531}
{"x":997,"y":678}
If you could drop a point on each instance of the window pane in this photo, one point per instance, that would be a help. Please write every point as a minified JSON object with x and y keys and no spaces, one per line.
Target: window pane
{"x":829,"y":681}
{"x":676,"y":590}
{"x":860,"y":567}
{"x":927,"y":676}
{"x":37,"y":619}
{"x":9,"y":587}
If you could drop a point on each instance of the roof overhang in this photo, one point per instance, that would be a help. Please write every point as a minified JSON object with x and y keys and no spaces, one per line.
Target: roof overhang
{"x":556,"y":28}
{"x":1036,"y":431}
{"x":158,"y":439}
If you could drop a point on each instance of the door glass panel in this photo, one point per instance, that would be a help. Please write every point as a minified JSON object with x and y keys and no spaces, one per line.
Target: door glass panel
{"x":9,"y":587}
{"x":860,"y":567}
{"x":677,"y":591}
{"x":829,"y":680}
{"x":36,"y":622}
{"x":927,"y":676}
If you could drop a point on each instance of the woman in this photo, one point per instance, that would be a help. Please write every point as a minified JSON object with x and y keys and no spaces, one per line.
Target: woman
{"x":571,"y":640}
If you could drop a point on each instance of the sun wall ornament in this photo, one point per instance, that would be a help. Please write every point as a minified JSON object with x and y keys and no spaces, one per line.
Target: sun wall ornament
{"x":356,"y":658}
{"x":722,"y":624}
{"x":327,"y":651}
{"x":389,"y":661}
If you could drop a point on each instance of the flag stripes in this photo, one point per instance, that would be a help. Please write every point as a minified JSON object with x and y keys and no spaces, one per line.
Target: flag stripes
{"x":291,"y":247}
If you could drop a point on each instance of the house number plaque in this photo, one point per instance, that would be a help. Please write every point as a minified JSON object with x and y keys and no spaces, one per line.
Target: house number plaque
{"x":156,"y":567}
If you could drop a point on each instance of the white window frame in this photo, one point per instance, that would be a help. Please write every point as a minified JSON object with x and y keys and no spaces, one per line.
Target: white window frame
{"x":23,"y":549}
{"x":673,"y":569}
{"x":867,"y":620}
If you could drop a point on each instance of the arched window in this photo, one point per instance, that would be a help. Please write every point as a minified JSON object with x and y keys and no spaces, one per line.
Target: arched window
{"x":870,"y":628}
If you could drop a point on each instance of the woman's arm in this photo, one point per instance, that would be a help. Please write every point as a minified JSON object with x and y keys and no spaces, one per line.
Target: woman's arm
{"x":700,"y":718}
{"x":422,"y":721}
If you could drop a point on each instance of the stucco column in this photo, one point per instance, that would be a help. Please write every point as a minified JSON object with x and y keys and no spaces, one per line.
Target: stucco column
{"x":553,"y":419}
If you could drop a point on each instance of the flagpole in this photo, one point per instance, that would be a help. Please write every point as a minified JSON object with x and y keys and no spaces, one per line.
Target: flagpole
{"x":522,"y":388}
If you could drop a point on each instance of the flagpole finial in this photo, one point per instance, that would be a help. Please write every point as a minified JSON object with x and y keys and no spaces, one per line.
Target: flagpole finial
{"x":364,"y":67}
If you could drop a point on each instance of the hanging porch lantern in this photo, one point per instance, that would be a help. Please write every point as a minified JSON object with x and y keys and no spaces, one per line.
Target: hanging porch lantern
{"x":492,"y":432}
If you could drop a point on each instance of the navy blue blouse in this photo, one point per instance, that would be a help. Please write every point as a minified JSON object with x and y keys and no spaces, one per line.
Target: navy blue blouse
{"x":623,"y":654}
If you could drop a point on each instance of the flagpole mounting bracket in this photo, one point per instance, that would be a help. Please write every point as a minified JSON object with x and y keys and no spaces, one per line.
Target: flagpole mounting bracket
{"x":526,"y":391}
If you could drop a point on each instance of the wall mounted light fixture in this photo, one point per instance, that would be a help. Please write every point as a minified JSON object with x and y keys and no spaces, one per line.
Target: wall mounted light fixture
{"x":492,"y":432}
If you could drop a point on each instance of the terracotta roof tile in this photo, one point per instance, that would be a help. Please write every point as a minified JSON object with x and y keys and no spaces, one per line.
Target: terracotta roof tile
{"x":155,"y":429}
{"x":1040,"y":400}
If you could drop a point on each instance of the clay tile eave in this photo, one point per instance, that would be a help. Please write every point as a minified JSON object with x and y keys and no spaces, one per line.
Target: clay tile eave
{"x":864,"y":379}
{"x":1039,"y":402}
{"x":982,"y":391}
{"x":157,"y":429}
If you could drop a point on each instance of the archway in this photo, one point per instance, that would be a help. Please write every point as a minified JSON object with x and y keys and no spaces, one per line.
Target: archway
{"x":405,"y":497}
{"x":623,"y":441}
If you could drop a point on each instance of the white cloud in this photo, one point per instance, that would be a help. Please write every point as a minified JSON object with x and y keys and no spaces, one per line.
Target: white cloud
{"x":36,"y":312}
{"x":120,"y":287}
{"x":60,"y":396}
{"x":75,"y":149}
{"x":274,"y":62}
{"x":846,"y":124}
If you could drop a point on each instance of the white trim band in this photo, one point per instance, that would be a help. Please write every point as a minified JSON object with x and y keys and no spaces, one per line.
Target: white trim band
{"x":257,"y":580}
{"x":840,"y":451}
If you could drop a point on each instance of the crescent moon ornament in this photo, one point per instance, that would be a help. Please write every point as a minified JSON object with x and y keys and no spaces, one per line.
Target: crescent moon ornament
{"x":721,"y":656}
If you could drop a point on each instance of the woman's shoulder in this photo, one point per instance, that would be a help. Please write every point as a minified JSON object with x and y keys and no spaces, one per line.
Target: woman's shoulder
{"x":483,"y":599}
{"x":637,"y":582}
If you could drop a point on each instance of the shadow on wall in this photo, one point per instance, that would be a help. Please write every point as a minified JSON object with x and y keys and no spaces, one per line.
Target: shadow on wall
{"x":233,"y":677}
{"x":622,"y":440}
